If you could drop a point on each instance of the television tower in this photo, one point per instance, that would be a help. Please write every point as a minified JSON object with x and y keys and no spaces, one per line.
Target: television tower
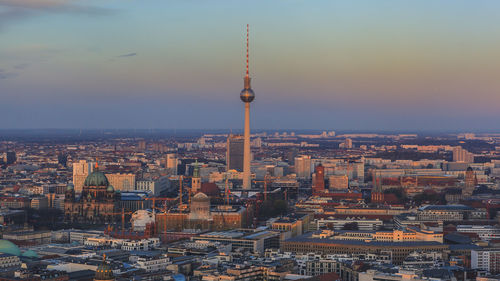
{"x":247,"y":96}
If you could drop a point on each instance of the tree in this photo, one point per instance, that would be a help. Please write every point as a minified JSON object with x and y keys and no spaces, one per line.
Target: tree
{"x":351,"y":226}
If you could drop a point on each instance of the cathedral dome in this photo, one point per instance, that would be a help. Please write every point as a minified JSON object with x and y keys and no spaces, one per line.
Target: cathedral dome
{"x":97,"y":178}
{"x":110,"y":188}
{"x":70,"y":187}
{"x":200,"y":197}
{"x":7,"y":247}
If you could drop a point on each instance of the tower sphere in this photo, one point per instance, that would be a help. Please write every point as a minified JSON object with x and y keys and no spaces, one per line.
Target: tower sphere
{"x":247,"y":95}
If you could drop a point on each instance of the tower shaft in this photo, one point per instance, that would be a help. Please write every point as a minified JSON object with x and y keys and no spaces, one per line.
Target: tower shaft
{"x":246,"y":149}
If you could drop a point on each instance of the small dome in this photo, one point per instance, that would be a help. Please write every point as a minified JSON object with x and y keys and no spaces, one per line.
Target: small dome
{"x":200,"y":197}
{"x":469,"y":169}
{"x":70,"y":187}
{"x":30,"y":254}
{"x":110,"y":188}
{"x":104,"y":271}
{"x":7,"y":247}
{"x":96,"y":178}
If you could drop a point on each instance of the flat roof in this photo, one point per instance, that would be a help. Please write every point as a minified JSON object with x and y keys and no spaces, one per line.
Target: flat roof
{"x":307,"y":238}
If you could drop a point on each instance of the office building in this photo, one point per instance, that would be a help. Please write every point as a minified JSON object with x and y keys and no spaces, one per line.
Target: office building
{"x":122,"y":182}
{"x":235,"y":153}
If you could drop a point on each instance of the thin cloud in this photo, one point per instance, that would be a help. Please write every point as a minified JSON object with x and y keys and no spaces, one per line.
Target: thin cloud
{"x":21,"y":65}
{"x":15,"y":10}
{"x":127,"y":55}
{"x":4,"y":74}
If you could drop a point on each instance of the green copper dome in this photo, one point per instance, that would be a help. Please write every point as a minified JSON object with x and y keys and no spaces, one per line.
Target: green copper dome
{"x":70,"y":187}
{"x":110,"y":188}
{"x":30,"y":254}
{"x":97,"y":178}
{"x":7,"y":247}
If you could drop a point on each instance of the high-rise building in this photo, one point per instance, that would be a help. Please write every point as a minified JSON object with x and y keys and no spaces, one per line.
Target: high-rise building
{"x":235,"y":152}
{"x":171,"y":163}
{"x":319,"y":179}
{"x":247,"y":96}
{"x":81,"y":170}
{"x":10,"y":157}
{"x":303,"y":166}
{"x":462,"y":155}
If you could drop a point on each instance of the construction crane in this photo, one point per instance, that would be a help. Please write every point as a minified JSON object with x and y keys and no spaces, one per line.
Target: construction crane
{"x":161,"y":199}
{"x":266,"y":180}
{"x":122,"y":213}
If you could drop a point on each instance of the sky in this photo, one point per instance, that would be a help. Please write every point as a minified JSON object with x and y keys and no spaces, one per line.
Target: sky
{"x":315,"y":64}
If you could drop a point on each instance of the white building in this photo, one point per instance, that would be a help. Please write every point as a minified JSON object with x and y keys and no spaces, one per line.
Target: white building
{"x":151,"y":264}
{"x":485,"y":232}
{"x":155,"y":186}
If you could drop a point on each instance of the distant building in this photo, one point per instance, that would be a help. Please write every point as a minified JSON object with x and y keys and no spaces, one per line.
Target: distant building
{"x":10,"y":157}
{"x":336,"y":182}
{"x":122,"y":182}
{"x":96,"y":204}
{"x":462,"y":155}
{"x":470,"y":182}
{"x":202,"y":217}
{"x":156,"y":186}
{"x":141,"y":145}
{"x":234,"y":153}
{"x":255,"y":242}
{"x":486,"y":259}
{"x":196,"y":180}
{"x":171,"y":163}
{"x":319,"y":179}
{"x":39,"y":203}
{"x":347,"y":144}
{"x":81,"y":170}
{"x":10,"y":202}
{"x":400,"y":250}
{"x":303,"y":166}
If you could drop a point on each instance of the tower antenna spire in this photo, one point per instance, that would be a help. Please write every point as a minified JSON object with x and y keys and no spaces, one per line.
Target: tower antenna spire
{"x":248,"y":31}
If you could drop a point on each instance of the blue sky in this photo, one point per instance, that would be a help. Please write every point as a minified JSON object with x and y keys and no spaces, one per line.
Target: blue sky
{"x":357,"y":65}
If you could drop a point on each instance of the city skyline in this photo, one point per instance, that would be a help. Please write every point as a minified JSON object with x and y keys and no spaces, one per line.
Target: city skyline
{"x":324,"y":66}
